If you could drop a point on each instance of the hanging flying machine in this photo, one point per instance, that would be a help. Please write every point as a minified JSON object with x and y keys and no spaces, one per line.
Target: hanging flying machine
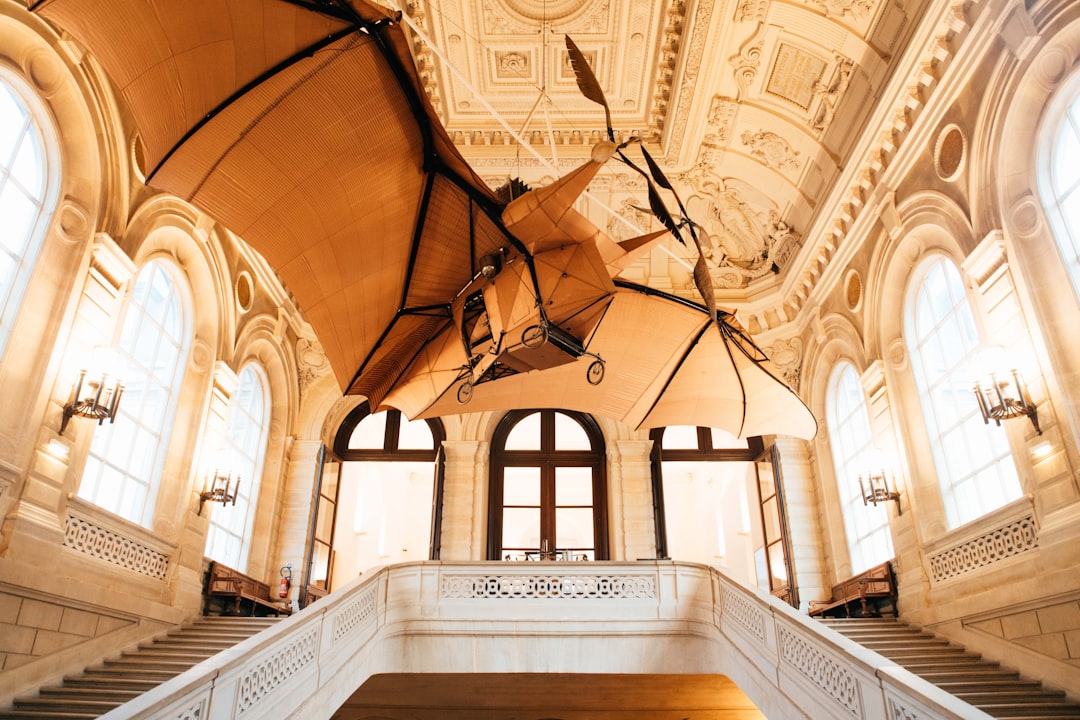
{"x":303,"y":127}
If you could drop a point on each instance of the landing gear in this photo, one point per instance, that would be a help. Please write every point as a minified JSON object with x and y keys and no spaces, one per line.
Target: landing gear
{"x":595,"y":373}
{"x":464,"y":392}
{"x":534,"y":336}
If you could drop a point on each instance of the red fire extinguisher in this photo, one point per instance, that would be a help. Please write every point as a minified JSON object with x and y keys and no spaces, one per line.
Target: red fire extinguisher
{"x":286,"y":580}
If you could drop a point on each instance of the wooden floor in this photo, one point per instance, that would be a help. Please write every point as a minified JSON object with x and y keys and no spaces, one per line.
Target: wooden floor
{"x":548,"y":697}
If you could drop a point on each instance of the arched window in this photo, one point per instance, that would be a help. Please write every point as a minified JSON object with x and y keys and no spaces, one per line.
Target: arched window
{"x":124,"y":466}
{"x":242,"y":454}
{"x":1063,"y":203}
{"x":28,"y":184}
{"x":866,"y":526}
{"x":389,"y":494}
{"x":547,"y":496}
{"x":974,"y":464}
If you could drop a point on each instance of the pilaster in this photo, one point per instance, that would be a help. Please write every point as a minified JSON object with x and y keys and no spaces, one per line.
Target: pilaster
{"x":464,"y":510}
{"x":633,"y":527}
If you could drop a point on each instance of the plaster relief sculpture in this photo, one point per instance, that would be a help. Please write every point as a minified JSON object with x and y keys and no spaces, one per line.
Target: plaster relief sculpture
{"x":772,"y":150}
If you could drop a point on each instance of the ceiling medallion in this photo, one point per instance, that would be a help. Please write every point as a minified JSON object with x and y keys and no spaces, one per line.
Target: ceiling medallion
{"x":546,"y":10}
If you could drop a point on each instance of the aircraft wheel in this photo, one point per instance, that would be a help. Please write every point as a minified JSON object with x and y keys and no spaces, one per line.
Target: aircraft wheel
{"x":464,"y":392}
{"x":534,"y":336}
{"x":595,"y":373}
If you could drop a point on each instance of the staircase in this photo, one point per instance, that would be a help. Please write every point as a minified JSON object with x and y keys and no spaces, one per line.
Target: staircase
{"x":114,"y":681}
{"x":994,"y":690}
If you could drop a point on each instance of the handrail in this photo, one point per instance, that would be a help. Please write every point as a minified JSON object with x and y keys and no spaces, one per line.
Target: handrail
{"x":308,"y":665}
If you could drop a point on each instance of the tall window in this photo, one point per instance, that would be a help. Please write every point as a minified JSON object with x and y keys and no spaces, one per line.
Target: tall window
{"x":126,"y":459}
{"x":242,"y":454}
{"x":702,"y":483}
{"x":547,"y":499}
{"x":1064,"y":205}
{"x":866,"y":526}
{"x":26,"y":202}
{"x":974,"y":464}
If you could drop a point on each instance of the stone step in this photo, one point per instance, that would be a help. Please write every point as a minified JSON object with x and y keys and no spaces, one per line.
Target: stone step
{"x":946,"y":664}
{"x":997,"y":691}
{"x":99,"y":693}
{"x":1005,"y":695}
{"x":43,"y":715}
{"x":154,"y":654}
{"x":116,"y":680}
{"x":126,"y":671}
{"x":67,"y":705}
{"x":967,"y":674}
{"x":1031,"y":709}
{"x":181,"y":641}
{"x":107,"y":682}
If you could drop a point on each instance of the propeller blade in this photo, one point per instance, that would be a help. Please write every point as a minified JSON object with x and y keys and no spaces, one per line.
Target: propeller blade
{"x":654,"y":169}
{"x":659,"y":209}
{"x":587,"y":82}
{"x":703,"y":281}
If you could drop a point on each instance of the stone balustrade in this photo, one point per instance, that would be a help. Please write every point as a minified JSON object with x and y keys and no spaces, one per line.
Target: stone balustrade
{"x":587,"y":617}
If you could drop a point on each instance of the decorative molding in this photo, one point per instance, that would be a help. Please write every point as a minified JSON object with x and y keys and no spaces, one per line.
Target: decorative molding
{"x":1013,"y":538}
{"x":827,"y":95}
{"x":739,"y":608}
{"x":311,"y":362}
{"x":547,"y":587}
{"x":113,"y":547}
{"x":772,"y":150}
{"x":354,"y":614}
{"x":901,"y":712}
{"x":829,"y":675}
{"x":857,"y":9}
{"x":194,"y":712}
{"x":260,"y":680}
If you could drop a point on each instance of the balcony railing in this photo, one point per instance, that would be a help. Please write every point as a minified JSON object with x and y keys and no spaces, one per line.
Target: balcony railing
{"x":641,"y":617}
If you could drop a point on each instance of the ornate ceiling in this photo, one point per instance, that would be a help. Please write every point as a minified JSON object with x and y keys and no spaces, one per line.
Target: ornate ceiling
{"x":752,"y":107}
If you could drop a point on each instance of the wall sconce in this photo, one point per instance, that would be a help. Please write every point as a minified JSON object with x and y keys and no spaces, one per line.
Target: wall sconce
{"x":1006,"y":399}
{"x":224,"y":489}
{"x":100,"y":403}
{"x":876,"y":488}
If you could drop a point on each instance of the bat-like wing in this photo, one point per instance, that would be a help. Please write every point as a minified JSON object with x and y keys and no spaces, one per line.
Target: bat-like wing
{"x":667,"y":363}
{"x":302,"y":127}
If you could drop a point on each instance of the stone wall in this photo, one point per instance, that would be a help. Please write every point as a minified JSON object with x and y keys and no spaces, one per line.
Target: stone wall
{"x":33,"y":626}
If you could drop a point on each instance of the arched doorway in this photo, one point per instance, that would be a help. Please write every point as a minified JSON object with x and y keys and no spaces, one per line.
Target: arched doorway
{"x":716,"y":502}
{"x":389,"y":491}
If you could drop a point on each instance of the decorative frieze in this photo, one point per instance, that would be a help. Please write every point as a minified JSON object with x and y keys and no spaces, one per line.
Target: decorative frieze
{"x":900,"y":712}
{"x":830,"y":676}
{"x":739,"y":608}
{"x":261,"y":679}
{"x":590,"y":587}
{"x":354,"y":614}
{"x":111,"y":546}
{"x":1014,"y":538}
{"x":194,"y":712}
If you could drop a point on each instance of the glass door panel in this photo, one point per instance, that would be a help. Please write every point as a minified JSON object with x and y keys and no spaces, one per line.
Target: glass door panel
{"x":776,"y":541}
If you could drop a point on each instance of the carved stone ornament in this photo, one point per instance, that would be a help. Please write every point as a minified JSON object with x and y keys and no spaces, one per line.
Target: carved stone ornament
{"x":311,"y":362}
{"x":721,"y":116}
{"x":786,"y":356}
{"x":772,"y":150}
{"x":741,"y":241}
{"x":827,"y":94}
{"x":857,"y":9}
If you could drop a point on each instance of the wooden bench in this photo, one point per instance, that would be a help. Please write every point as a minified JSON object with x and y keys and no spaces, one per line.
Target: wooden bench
{"x":875,"y":585}
{"x":230,"y":592}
